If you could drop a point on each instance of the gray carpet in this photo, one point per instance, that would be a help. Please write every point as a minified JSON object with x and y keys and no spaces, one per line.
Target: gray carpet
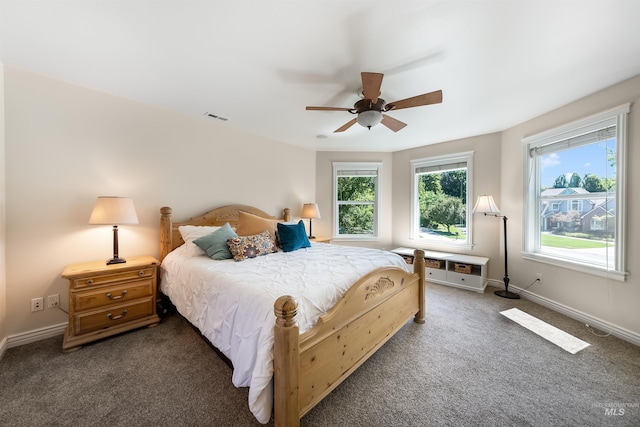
{"x":467,"y":366}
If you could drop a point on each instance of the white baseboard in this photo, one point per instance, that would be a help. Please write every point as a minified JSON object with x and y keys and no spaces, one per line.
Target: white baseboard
{"x":3,"y":347}
{"x":36,"y":335}
{"x":595,"y":322}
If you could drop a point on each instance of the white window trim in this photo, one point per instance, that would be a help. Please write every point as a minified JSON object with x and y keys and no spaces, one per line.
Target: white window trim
{"x":467,"y":157}
{"x":531,"y":220}
{"x":337,"y":166}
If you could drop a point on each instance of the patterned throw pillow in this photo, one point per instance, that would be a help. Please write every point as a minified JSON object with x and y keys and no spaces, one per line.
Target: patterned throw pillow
{"x":243,"y":247}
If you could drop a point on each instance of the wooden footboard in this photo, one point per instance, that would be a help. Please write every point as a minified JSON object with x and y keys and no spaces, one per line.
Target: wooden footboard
{"x":307,"y":367}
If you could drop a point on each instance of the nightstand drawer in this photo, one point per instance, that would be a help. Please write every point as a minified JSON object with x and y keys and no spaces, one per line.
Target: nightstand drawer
{"x":93,"y":298}
{"x":112,"y":277}
{"x":121,"y":313}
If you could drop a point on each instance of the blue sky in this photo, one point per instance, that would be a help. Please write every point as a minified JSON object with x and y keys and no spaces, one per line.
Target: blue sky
{"x":585,"y":159}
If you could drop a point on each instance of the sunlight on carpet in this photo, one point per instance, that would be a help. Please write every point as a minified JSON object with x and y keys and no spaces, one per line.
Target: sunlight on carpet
{"x":551,"y":333}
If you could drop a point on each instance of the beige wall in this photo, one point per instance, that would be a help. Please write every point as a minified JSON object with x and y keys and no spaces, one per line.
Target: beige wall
{"x":612,"y":301}
{"x":3,"y":275}
{"x":66,"y":145}
{"x":324,"y":195}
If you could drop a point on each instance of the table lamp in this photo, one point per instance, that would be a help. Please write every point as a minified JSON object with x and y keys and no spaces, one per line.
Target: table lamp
{"x":310,"y":211}
{"x":111,"y":210}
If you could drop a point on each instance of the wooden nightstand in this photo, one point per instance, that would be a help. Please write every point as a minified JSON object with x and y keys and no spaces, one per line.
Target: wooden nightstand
{"x":105,"y":300}
{"x":321,"y":240}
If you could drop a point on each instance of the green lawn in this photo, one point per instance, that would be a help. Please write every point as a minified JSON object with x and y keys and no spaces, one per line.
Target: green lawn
{"x":570,"y":242}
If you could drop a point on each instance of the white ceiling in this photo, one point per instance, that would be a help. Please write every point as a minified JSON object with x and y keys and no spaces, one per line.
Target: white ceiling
{"x":259,"y":63}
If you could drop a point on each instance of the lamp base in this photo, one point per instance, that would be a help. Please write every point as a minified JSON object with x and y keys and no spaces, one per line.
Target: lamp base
{"x":311,"y":237}
{"x":507,"y":294}
{"x":116,"y":261}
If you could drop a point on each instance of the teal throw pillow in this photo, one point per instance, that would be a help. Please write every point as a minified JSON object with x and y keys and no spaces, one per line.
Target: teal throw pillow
{"x":215,"y":244}
{"x":293,"y":236}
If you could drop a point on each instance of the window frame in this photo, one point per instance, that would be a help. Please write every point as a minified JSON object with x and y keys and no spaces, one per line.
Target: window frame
{"x":576,"y":205}
{"x":434,"y":161}
{"x":357,"y":166}
{"x":532,"y":170}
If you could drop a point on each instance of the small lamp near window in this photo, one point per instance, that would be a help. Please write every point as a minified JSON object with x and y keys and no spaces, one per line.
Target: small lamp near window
{"x":310,"y":211}
{"x":113,"y":211}
{"x":485,"y":205}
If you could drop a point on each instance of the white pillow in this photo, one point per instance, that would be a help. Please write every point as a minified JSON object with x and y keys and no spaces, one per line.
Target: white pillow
{"x":190,"y":233}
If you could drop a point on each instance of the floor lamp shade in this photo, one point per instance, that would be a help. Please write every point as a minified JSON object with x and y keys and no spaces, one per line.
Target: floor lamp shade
{"x":310,"y":211}
{"x":485,"y":205}
{"x":110,"y":210}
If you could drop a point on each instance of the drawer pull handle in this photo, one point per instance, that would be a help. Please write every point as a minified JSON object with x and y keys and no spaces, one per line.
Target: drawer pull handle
{"x":112,"y":317}
{"x":90,"y":282}
{"x":117,"y":297}
{"x":141,"y":273}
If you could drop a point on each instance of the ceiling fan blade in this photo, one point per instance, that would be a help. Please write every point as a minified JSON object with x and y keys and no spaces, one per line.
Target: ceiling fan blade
{"x":416,"y":101}
{"x":345,"y":126}
{"x":371,"y":83}
{"x":328,"y":108}
{"x":393,"y":124}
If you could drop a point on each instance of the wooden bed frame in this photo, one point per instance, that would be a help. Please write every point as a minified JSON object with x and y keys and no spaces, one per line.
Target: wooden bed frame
{"x":308,"y":367}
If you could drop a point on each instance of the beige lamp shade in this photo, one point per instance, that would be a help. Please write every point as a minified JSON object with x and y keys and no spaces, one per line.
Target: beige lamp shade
{"x":113,"y":210}
{"x":310,"y":210}
{"x":486,"y":205}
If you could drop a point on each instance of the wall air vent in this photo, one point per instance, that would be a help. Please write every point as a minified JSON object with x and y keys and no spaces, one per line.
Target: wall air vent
{"x":213,"y":116}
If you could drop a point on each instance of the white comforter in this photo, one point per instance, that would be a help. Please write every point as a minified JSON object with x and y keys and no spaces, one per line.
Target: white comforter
{"x":231,"y":303}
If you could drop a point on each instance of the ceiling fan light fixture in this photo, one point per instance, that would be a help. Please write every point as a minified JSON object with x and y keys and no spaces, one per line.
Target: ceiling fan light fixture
{"x":369,"y":118}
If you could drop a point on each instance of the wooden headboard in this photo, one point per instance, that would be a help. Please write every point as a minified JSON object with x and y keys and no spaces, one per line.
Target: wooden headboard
{"x":170,"y":237}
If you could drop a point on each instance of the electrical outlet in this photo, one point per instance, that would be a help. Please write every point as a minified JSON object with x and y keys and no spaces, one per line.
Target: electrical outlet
{"x":53,"y":301}
{"x":37,"y":304}
{"x":539,"y":277}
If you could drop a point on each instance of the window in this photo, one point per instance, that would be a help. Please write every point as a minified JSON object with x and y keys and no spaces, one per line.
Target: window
{"x":442,"y":191}
{"x":575,"y":195}
{"x":356,"y":195}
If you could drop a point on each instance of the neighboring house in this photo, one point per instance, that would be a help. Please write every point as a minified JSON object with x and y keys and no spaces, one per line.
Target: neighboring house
{"x":601,"y":218}
{"x":576,"y":214}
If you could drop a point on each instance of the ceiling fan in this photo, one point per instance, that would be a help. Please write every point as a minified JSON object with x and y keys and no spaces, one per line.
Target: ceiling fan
{"x":370,"y":109}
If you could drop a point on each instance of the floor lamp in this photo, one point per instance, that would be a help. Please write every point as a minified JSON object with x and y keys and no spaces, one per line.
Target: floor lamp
{"x":485,"y":205}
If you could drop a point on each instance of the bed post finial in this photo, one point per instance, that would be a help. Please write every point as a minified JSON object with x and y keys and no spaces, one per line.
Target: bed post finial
{"x":285,"y":309}
{"x":165,"y":231}
{"x":286,"y":363}
{"x":419,"y":269}
{"x":286,"y":215}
